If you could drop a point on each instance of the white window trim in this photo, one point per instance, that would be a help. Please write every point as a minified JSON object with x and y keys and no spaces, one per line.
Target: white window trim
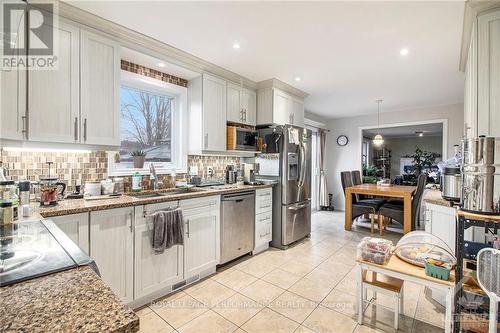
{"x":179,"y":126}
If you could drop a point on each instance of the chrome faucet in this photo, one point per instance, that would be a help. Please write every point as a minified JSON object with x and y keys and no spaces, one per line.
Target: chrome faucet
{"x":153,"y":179}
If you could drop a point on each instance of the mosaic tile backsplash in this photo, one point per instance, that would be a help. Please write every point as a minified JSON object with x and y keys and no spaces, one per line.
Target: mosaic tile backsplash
{"x":74,"y":168}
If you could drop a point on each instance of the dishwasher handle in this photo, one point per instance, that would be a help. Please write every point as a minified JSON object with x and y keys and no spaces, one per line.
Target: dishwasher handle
{"x":238,"y":196}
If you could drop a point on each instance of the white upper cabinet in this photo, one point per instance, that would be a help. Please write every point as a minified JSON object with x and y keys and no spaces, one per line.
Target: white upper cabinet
{"x":53,"y":95}
{"x":470,"y":93}
{"x":234,"y":107}
{"x":207,"y":114}
{"x":279,"y":107}
{"x":241,"y":105}
{"x":488,"y":74}
{"x":13,"y":98}
{"x":100,"y":90}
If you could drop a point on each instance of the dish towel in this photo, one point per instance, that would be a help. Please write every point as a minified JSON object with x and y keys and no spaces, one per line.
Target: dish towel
{"x":168,"y":230}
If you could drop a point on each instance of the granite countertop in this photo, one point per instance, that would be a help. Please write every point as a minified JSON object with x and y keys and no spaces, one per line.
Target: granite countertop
{"x":76,"y":300}
{"x":434,"y":197}
{"x":73,"y":206}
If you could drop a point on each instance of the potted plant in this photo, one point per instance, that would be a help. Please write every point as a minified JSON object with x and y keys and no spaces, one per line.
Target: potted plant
{"x":138,"y":156}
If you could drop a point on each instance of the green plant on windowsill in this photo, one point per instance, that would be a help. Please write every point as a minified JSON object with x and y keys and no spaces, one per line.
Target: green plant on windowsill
{"x":139,"y":157}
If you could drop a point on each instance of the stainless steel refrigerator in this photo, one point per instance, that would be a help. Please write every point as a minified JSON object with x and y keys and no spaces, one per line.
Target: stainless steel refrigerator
{"x":287,"y":159}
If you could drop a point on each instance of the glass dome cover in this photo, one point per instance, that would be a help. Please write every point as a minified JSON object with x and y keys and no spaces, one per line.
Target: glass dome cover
{"x":417,"y":246}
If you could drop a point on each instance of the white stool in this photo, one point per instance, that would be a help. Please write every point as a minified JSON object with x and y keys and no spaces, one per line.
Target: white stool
{"x":379,"y":283}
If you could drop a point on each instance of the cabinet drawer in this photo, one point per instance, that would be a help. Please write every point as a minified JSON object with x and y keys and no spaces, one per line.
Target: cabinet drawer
{"x":262,"y":218}
{"x":263,"y":206}
{"x":264,"y":194}
{"x":263,"y":231}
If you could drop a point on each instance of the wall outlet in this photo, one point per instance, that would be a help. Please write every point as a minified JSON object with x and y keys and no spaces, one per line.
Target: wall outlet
{"x":210,"y":171}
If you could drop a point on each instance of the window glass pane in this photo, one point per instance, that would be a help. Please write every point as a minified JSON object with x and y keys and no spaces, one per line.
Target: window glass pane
{"x":146,"y":124}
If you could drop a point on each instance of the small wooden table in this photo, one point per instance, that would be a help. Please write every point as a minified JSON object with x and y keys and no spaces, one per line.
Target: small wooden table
{"x":393,"y":191}
{"x":402,"y":270}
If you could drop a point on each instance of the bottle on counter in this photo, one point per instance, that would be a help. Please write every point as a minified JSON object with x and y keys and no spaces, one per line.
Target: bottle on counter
{"x":6,"y":212}
{"x":136,"y":182}
{"x":8,"y":194}
{"x":24,"y":192}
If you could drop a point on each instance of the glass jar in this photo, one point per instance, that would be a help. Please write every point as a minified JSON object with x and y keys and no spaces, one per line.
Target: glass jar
{"x":8,"y":193}
{"x":6,"y":212}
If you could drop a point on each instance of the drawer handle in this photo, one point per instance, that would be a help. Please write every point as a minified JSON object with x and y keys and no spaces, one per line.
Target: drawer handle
{"x":265,"y":194}
{"x":266,"y":219}
{"x":267,"y":206}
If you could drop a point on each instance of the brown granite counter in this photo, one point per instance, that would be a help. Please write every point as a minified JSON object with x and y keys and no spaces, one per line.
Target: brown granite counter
{"x":73,"y":206}
{"x":434,"y":197}
{"x":76,"y":300}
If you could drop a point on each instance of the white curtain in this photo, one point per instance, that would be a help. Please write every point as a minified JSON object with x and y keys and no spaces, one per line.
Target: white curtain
{"x":323,"y":190}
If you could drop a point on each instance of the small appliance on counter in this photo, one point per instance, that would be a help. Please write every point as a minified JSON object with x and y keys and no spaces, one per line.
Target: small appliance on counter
{"x":249,"y":172}
{"x":241,"y":138}
{"x":230,"y":174}
{"x":32,"y":249}
{"x":51,"y":190}
{"x":481,"y":175}
{"x":451,"y":183}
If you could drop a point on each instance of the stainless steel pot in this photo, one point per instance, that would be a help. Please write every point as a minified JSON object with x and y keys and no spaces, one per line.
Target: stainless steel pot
{"x":481,"y":175}
{"x":451,"y":184}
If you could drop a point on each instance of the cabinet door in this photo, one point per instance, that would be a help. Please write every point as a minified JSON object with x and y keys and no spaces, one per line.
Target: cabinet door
{"x":470,"y":93}
{"x":76,"y":226}
{"x":214,"y":113}
{"x":249,"y":106}
{"x":100,"y":90}
{"x":281,"y":108}
{"x":488,"y":86}
{"x":53,"y":95}
{"x":111,"y":246}
{"x":234,"y":107}
{"x":13,"y":98}
{"x":297,"y":112}
{"x":201,"y":240}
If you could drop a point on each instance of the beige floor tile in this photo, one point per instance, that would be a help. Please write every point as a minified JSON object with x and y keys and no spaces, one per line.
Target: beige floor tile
{"x":349,"y":283}
{"x":341,"y":302}
{"x":330,"y":265}
{"x":368,"y":329}
{"x":258,"y":268}
{"x":310,"y":259}
{"x":238,"y":309}
{"x":303,"y":329}
{"x":209,"y":322}
{"x":324,"y":277}
{"x":261,"y":291}
{"x":326,"y":320}
{"x":180,"y":311}
{"x":429,"y":312}
{"x":212,"y":293}
{"x":281,"y":278}
{"x":383,"y":319}
{"x":293,"y":306}
{"x":166,"y":299}
{"x":198,"y":285}
{"x":143,"y":311}
{"x":236,"y":279}
{"x":296,"y":267}
{"x":311,"y":289}
{"x":420,"y":326}
{"x":152,"y":323}
{"x":267,"y":321}
{"x":410,"y":303}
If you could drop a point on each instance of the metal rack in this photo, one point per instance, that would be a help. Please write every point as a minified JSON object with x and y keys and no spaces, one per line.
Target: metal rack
{"x":466,"y":251}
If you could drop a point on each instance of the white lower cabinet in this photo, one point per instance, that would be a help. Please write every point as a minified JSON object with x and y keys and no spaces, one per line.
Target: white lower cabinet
{"x":201,"y":235}
{"x":76,"y":227}
{"x":154,"y":272}
{"x":112,"y":248}
{"x":263,"y":219}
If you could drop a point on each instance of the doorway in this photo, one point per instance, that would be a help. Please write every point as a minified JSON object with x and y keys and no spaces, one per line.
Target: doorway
{"x":315,"y":172}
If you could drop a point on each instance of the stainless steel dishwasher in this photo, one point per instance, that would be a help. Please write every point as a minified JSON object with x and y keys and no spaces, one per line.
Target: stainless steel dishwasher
{"x":237,"y":225}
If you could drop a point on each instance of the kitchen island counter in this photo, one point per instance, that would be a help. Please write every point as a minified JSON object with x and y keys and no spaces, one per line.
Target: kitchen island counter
{"x":434,"y":197}
{"x":76,"y":300}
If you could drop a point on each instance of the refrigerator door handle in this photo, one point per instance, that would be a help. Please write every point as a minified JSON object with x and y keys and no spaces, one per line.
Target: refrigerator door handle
{"x":299,"y":207}
{"x":302,"y":165}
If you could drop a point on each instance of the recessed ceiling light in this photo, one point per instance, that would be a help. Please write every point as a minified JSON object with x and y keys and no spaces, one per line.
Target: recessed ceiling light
{"x":161,"y":64}
{"x":419,"y":133}
{"x":297,"y":78}
{"x":236,"y":45}
{"x":404,"y":51}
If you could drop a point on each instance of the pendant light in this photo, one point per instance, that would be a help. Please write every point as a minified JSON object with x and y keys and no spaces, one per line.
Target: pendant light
{"x":378,"y":139}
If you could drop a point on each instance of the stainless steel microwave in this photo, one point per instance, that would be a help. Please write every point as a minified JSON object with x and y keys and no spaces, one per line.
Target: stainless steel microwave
{"x":240,"y":138}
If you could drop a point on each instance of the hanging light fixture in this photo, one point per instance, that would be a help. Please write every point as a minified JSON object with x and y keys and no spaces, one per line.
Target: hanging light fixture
{"x":378,"y":139}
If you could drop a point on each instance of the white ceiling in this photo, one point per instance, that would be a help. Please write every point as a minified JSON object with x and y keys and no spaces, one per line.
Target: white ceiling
{"x":407,"y":131}
{"x":347,"y":53}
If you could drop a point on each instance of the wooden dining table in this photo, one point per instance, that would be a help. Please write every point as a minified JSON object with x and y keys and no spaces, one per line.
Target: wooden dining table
{"x":392,"y":191}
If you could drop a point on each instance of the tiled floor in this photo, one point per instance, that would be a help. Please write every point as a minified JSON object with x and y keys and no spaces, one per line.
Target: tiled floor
{"x":308,"y":288}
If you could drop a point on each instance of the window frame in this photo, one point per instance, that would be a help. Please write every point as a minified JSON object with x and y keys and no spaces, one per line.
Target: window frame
{"x":178,"y":149}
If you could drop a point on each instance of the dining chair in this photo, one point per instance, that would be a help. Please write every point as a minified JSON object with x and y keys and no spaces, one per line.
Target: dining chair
{"x":356,"y":180}
{"x":396,"y":212}
{"x":359,"y":208}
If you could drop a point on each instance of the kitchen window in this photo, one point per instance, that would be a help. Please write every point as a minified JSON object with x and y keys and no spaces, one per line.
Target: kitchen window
{"x":152,"y":120}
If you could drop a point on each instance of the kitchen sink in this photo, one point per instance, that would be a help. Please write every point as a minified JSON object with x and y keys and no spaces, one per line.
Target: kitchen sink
{"x":164,"y":193}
